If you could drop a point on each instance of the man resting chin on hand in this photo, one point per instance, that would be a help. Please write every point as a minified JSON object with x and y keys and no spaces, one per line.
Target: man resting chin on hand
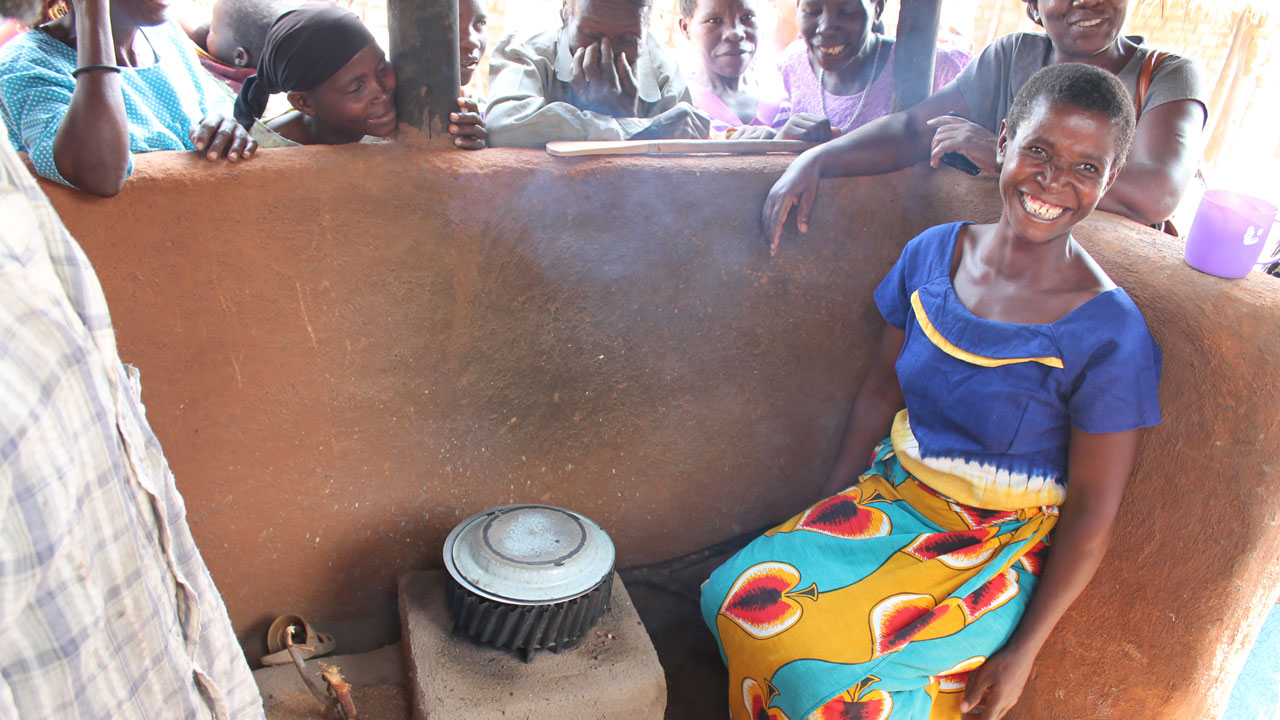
{"x":598,"y":77}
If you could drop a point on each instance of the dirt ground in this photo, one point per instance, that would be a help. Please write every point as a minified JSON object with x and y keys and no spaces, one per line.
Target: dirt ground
{"x":377,"y":679}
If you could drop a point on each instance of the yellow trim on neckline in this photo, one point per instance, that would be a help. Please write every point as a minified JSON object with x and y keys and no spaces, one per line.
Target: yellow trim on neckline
{"x":947,"y":347}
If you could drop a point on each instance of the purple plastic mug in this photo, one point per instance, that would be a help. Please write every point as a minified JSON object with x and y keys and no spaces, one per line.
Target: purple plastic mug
{"x":1227,"y":237}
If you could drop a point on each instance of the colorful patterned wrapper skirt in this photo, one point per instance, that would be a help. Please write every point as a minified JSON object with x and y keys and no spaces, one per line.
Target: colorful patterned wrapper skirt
{"x":874,"y":603}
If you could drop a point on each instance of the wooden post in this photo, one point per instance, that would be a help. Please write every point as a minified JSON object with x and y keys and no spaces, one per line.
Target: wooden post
{"x":914,"y":52}
{"x":424,"y":51}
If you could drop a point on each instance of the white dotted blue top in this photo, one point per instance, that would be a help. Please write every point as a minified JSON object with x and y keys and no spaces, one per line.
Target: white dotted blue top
{"x":161,"y":101}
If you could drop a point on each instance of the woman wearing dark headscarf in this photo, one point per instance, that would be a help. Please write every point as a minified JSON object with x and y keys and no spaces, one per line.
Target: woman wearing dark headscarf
{"x":338,"y":80}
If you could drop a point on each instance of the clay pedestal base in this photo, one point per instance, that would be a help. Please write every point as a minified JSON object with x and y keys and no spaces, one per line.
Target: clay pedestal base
{"x":613,"y":673}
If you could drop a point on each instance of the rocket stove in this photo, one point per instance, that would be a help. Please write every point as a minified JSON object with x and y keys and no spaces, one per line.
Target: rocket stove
{"x":524,"y":578}
{"x":519,"y":579}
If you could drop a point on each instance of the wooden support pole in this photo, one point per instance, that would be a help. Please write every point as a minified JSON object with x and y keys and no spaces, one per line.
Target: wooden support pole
{"x":424,"y":51}
{"x":914,"y":52}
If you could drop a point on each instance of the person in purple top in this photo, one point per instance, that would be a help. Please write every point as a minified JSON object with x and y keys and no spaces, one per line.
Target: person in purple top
{"x":727,"y":84}
{"x":841,"y":69}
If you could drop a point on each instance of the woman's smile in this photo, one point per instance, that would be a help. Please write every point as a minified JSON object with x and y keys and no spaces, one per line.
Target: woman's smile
{"x":834,"y":56}
{"x":384,"y":122}
{"x":1040,"y":209}
{"x":1089,"y":22}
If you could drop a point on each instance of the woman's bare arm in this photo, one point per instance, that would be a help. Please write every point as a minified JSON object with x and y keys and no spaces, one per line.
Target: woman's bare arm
{"x":877,"y":401}
{"x":91,"y":148}
{"x":1099,"y":466}
{"x":886,"y":144}
{"x":1164,"y":157}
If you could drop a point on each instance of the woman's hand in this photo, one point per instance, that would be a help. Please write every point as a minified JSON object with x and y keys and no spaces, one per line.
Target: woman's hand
{"x":467,"y":127}
{"x":807,"y":126}
{"x":752,"y":132}
{"x":998,"y":683}
{"x":798,"y":188}
{"x":219,"y":136}
{"x":956,"y":134}
{"x":681,"y":121}
{"x":604,"y":79}
{"x":1100,"y":467}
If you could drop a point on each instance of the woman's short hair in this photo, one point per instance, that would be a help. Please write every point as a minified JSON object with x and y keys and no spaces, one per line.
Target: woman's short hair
{"x":1082,"y":86}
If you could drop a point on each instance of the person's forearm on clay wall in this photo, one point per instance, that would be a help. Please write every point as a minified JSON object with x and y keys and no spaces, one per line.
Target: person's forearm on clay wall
{"x":1161,"y":163}
{"x":886,"y":144}
{"x":91,"y":148}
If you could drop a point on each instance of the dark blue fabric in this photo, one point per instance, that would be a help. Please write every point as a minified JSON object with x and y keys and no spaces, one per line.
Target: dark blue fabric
{"x":1017,"y":417}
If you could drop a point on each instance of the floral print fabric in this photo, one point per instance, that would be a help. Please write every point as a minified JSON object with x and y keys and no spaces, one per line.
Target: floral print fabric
{"x":873,"y":603}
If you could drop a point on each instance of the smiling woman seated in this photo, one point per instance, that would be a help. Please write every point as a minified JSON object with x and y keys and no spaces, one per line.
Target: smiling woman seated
{"x":1006,"y":403}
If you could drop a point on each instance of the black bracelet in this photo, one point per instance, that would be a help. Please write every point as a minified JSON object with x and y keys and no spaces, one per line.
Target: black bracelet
{"x":112,"y":68}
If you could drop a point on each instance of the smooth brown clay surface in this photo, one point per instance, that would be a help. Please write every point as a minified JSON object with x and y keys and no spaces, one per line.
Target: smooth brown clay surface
{"x":346,"y":351}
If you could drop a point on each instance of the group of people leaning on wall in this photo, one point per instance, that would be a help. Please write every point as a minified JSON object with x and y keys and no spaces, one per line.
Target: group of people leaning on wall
{"x":82,"y":92}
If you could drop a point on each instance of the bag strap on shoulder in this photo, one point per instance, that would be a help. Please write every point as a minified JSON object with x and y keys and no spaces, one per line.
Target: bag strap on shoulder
{"x":1153,"y":59}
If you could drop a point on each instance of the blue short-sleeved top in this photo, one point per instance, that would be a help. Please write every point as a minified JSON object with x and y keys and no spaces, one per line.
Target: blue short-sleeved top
{"x":995,"y":402}
{"x":161,"y":101}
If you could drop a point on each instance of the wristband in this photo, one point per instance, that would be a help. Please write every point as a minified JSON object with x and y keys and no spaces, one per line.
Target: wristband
{"x":87,"y":68}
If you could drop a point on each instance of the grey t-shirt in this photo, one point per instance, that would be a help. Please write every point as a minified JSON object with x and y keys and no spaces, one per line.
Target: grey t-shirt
{"x":990,"y":82}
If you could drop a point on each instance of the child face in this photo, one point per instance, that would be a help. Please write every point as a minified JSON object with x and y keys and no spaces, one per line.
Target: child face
{"x":590,"y":21}
{"x":472,"y":20}
{"x":724,"y":31}
{"x":358,"y":100}
{"x":1054,"y":168}
{"x":221,"y":41}
{"x":835,"y":31}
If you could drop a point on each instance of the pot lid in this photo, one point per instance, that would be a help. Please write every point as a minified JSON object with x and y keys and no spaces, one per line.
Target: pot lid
{"x":528,"y":554}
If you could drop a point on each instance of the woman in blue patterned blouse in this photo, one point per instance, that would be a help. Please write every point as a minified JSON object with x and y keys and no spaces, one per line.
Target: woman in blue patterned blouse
{"x":84,"y":92}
